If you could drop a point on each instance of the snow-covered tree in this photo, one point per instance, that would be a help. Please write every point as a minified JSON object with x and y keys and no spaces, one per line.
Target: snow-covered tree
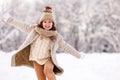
{"x":88,"y":25}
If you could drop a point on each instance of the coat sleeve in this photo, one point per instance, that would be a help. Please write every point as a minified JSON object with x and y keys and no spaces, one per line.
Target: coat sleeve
{"x":20,"y":25}
{"x":68,"y":48}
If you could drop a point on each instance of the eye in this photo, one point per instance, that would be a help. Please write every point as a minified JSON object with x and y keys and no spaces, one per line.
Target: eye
{"x":44,"y":21}
{"x":50,"y":21}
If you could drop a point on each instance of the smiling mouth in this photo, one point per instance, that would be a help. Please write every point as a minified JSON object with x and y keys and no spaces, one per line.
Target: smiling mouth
{"x":47,"y":26}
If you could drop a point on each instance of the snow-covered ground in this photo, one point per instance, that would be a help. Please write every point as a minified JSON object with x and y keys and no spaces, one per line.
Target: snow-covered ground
{"x":92,"y":67}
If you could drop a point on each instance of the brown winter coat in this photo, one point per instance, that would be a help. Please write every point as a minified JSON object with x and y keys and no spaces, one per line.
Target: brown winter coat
{"x":21,"y":57}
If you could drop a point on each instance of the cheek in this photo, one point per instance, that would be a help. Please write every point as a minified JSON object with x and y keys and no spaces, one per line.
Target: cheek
{"x":43,"y":24}
{"x":51,"y":24}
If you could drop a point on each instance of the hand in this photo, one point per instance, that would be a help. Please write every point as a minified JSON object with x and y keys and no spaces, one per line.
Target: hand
{"x":6,"y":16}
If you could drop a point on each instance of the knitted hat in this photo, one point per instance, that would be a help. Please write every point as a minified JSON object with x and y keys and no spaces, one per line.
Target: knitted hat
{"x":47,"y":14}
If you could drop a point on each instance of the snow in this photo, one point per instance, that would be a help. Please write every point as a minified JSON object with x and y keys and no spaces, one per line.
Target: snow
{"x":95,"y":66}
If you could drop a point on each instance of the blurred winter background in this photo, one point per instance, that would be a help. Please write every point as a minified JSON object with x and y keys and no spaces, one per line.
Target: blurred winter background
{"x":90,"y":26}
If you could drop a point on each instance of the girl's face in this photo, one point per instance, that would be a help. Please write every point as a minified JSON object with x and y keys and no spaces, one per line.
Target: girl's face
{"x":47,"y":24}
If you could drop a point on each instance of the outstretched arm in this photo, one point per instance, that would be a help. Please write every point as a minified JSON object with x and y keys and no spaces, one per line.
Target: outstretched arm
{"x":68,"y":48}
{"x":20,"y":25}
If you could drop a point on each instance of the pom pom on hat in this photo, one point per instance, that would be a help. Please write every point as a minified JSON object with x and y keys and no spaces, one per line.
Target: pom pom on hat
{"x":47,"y":9}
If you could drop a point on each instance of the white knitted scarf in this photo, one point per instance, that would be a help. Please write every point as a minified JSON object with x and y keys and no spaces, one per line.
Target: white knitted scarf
{"x":45,"y":33}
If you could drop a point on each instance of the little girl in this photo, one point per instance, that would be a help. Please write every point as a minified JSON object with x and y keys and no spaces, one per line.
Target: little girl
{"x":39,"y":48}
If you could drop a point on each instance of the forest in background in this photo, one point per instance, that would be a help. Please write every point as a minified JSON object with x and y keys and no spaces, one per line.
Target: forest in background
{"x":88,"y":25}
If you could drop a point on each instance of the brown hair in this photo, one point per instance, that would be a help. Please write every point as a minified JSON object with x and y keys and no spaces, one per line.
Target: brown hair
{"x":52,"y":29}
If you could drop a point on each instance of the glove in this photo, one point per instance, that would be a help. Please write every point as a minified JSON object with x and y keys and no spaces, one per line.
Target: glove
{"x":6,"y":16}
